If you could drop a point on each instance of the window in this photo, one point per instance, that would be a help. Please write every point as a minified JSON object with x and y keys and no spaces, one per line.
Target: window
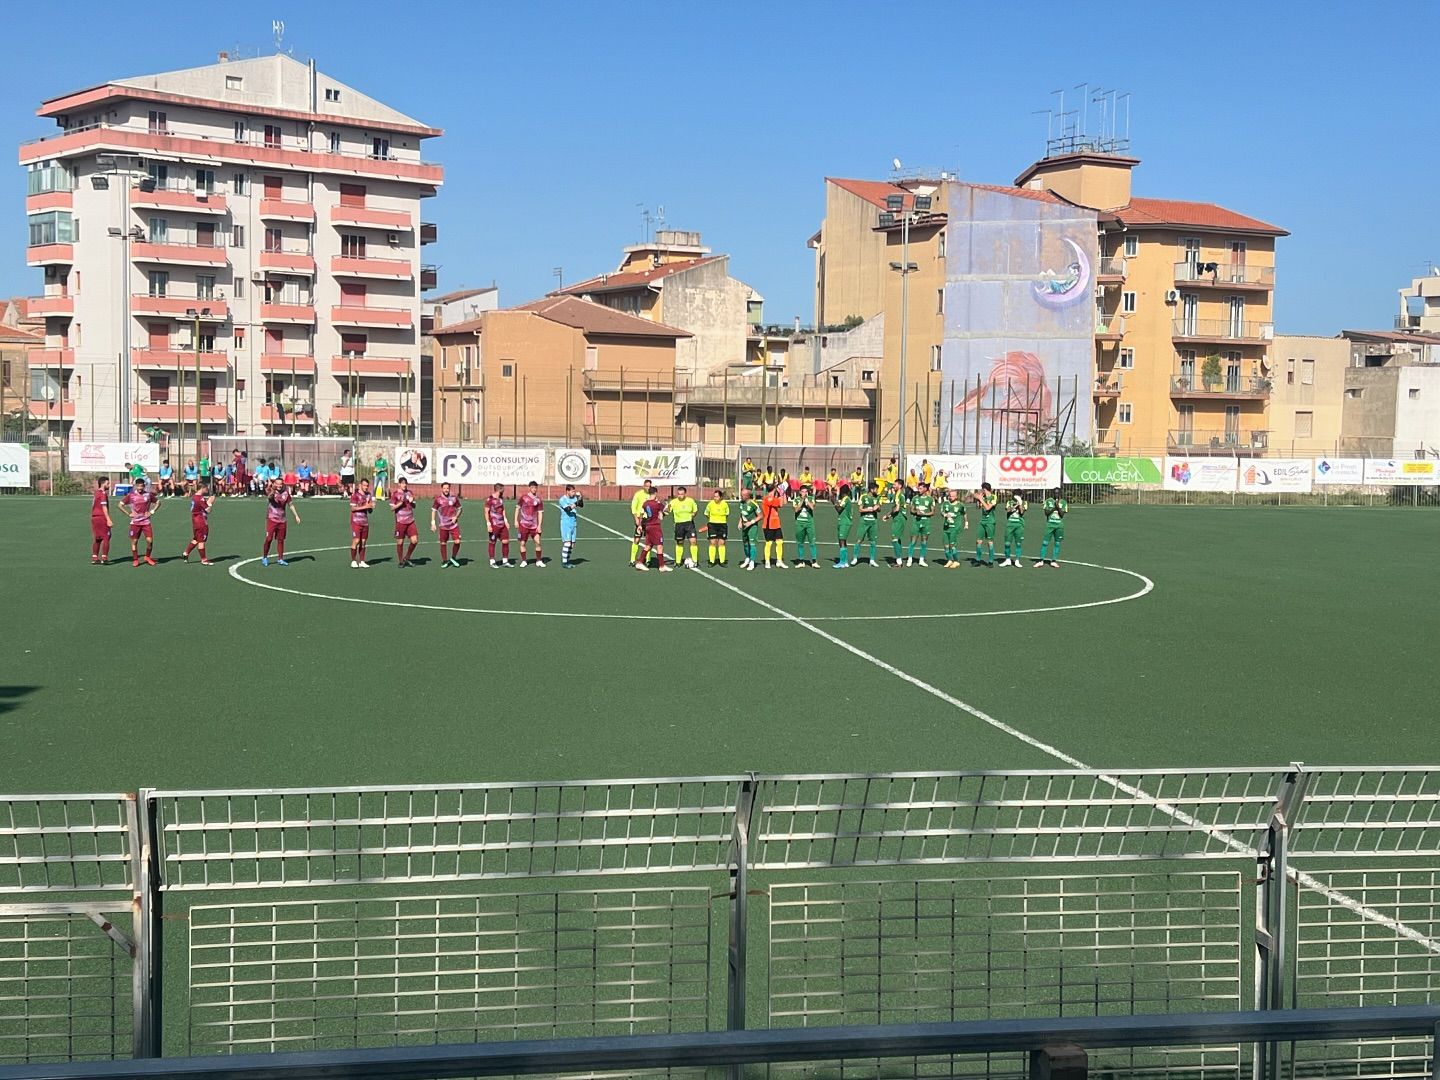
{"x":159,"y":282}
{"x":205,"y":181}
{"x":1413,"y":392}
{"x":353,"y":344}
{"x":332,"y":93}
{"x":352,"y":392}
{"x":940,"y":244}
{"x":205,"y":286}
{"x":1127,"y":359}
{"x":274,"y":239}
{"x":4,"y":372}
{"x":507,"y":371}
{"x":1290,"y":372}
{"x":237,"y":236}
{"x":207,"y":341}
{"x":1354,"y":392}
{"x":935,"y":413}
{"x":352,"y":194}
{"x":940,"y":301}
{"x":159,"y":389}
{"x":237,"y":183}
{"x":334,"y":142}
{"x":158,"y":123}
{"x":1304,"y":425}
{"x":239,"y":389}
{"x":1127,"y":302}
{"x":1132,"y":246}
{"x":352,"y":246}
{"x":1307,"y":372}
{"x":207,"y":391}
{"x":49,"y":176}
{"x":234,"y":82}
{"x":867,"y":375}
{"x":159,"y":172}
{"x":159,"y":230}
{"x":1124,"y":413}
{"x":934,"y":357}
{"x":237,"y":287}
{"x":272,"y":135}
{"x":380,"y":148}
{"x":54,"y":227}
{"x":238,"y":339}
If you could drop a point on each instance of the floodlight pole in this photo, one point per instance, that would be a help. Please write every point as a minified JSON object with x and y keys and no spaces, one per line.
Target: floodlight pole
{"x":904,"y":268}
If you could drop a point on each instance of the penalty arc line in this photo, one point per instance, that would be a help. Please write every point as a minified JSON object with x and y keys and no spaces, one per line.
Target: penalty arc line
{"x":1239,"y":847}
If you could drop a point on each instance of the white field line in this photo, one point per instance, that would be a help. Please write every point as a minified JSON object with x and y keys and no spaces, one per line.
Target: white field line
{"x":1300,"y":877}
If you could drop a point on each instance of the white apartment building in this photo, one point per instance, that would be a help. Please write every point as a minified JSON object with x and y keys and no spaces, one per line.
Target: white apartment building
{"x":235,"y":246}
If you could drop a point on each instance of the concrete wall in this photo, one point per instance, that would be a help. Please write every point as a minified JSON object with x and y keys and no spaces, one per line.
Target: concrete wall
{"x":1417,"y":412}
{"x":711,"y":305}
{"x":851,"y":261}
{"x":1367,"y":420}
{"x":1324,"y":361}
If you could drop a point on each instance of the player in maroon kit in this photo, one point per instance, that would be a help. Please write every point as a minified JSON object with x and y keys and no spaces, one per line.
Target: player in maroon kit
{"x":278,"y":500}
{"x":140,"y":505}
{"x":446,"y":511}
{"x":100,"y":523}
{"x":402,"y":501}
{"x":361,"y":503}
{"x":652,"y":516}
{"x":529,"y":520}
{"x":200,"y":503}
{"x":497,"y":521}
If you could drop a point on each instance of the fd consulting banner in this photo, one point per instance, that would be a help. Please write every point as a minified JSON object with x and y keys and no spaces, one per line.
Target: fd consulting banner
{"x":1349,"y":471}
{"x":1023,"y":470}
{"x":572,"y":466}
{"x":113,"y":457}
{"x":507,"y":467}
{"x":1400,"y":472}
{"x":14,"y":465}
{"x":661,"y":467}
{"x":413,"y":463}
{"x":1112,"y":470}
{"x":964,"y":471}
{"x":1275,"y":474}
{"x":1200,"y":474}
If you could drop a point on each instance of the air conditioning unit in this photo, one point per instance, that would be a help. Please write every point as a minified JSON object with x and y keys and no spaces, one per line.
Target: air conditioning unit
{"x":1172,"y":296}
{"x":392,"y":238}
{"x":258,"y":277}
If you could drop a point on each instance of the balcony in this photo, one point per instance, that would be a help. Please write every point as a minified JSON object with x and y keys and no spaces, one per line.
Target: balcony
{"x":283,"y":364}
{"x":1110,"y":271}
{"x":1109,"y":331}
{"x":361,"y":315}
{"x":145,"y":251}
{"x":276,"y":416}
{"x":52,"y":410}
{"x":1407,"y":322}
{"x":1106,"y":438}
{"x":366,"y":267}
{"x":187,"y":200}
{"x":177,"y":307}
{"x":368,"y":218}
{"x":50,"y":358}
{"x":1222,"y":330}
{"x":1229,"y":276}
{"x":429,"y":278}
{"x":369,"y":414}
{"x":288,"y":262}
{"x":1106,"y":387}
{"x":49,"y":200}
{"x":1219,"y":442}
{"x":282,"y":210}
{"x":381,"y":367}
{"x":292,"y":314}
{"x":185,"y":359}
{"x":428,"y":232}
{"x":167,"y":412}
{"x":50,"y":307}
{"x":1186,"y":386}
{"x":50,"y":255}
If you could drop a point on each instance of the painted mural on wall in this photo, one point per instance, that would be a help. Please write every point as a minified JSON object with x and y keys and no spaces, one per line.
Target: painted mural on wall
{"x":1019,"y":317}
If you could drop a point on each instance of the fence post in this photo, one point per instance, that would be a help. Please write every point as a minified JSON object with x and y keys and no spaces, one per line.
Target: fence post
{"x":147,"y":908}
{"x":1271,"y":898}
{"x":739,"y":913}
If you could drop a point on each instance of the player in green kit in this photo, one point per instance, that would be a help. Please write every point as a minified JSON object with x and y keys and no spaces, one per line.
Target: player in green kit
{"x":748,"y":513}
{"x":869,"y":514}
{"x":952,"y":522}
{"x":804,"y":506}
{"x":844,"y":520}
{"x":922,"y":509}
{"x":1055,"y":510}
{"x":1015,"y":508}
{"x":986,"y":500}
{"x":899,"y":507}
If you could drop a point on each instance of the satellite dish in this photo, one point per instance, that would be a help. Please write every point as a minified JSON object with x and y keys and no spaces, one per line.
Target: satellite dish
{"x":895,"y":164}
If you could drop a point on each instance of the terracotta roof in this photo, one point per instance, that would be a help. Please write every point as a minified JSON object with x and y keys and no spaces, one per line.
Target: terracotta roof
{"x":1397,"y":336}
{"x":1159,"y":212}
{"x":593,"y":318}
{"x":469,"y":326}
{"x":1020,"y":192}
{"x":634,"y":279}
{"x":459,"y":294}
{"x":14,"y":335}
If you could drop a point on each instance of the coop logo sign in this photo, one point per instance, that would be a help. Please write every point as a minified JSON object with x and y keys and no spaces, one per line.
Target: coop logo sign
{"x":662,"y":467}
{"x":572,"y":466}
{"x":460,"y":466}
{"x":1023,"y":470}
{"x":14,"y":465}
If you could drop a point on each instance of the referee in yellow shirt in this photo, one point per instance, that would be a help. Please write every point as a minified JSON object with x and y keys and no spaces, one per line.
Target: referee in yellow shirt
{"x":637,"y":511}
{"x":683,"y":509}
{"x":717,"y":525}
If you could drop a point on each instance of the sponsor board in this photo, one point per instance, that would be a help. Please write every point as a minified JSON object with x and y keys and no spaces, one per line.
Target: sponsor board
{"x":1276,"y":474}
{"x":1112,"y":470}
{"x":413,"y":463}
{"x":14,"y":465}
{"x":964,"y":471}
{"x":1023,"y":470}
{"x":113,"y":457}
{"x":572,"y":466}
{"x":661,"y":467}
{"x":1340,"y":471}
{"x":461,"y":466}
{"x":1401,"y":471}
{"x":1199,"y":474}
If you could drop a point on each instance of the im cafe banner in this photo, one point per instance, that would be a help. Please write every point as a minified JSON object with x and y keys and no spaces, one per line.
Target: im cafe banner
{"x":1011,"y":471}
{"x":1112,"y":470}
{"x":1401,"y":472}
{"x":508,"y":467}
{"x":663,"y":468}
{"x":964,"y":471}
{"x":1337,"y":471}
{"x":113,"y":457}
{"x":1258,"y":475}
{"x":14,"y":465}
{"x":1199,"y":474}
{"x":572,"y":466}
{"x":414,"y":464}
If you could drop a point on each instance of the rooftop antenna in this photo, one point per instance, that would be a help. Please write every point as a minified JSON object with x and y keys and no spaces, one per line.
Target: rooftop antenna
{"x":644,"y":222}
{"x":559,"y":273}
{"x":660,"y":216}
{"x":277,"y":27}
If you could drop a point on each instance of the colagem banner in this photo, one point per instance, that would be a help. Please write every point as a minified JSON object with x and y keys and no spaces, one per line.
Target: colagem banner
{"x":964,"y":471}
{"x":14,"y":465}
{"x":1112,"y":470}
{"x":1401,"y":471}
{"x":459,"y":466}
{"x":660,"y":467}
{"x":1024,"y":471}
{"x":1275,"y":474}
{"x":1340,"y":471}
{"x":1199,"y":474}
{"x":113,"y":457}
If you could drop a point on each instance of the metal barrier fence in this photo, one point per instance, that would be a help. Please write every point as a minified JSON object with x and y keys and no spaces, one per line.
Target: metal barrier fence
{"x":245,"y":920}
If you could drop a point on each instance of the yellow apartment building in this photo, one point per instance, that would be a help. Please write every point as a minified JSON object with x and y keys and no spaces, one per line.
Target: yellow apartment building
{"x":1308,"y":395}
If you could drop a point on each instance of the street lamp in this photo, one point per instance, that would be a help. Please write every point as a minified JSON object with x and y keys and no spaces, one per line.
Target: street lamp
{"x":904,"y":268}
{"x":100,"y":181}
{"x":196,"y":316}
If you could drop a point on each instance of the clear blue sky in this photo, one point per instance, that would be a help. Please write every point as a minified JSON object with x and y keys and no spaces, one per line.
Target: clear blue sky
{"x":561,"y":118}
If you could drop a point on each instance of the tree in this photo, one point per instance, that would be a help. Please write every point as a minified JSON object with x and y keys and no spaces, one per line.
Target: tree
{"x":334,"y":431}
{"x":1043,"y":437}
{"x":15,"y":426}
{"x":1210,"y":370}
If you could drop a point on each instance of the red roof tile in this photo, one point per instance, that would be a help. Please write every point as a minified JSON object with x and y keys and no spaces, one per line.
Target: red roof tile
{"x":460,"y":294}
{"x":1020,"y":192}
{"x":874,"y":192}
{"x":593,"y":318}
{"x":634,"y":279}
{"x":1158,"y":212}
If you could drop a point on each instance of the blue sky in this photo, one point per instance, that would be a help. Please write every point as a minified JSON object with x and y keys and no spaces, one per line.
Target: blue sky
{"x":562,"y":120}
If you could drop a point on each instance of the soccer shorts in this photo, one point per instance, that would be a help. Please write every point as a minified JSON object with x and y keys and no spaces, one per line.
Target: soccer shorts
{"x":1015,"y":530}
{"x":199,"y":530}
{"x":986,"y":529}
{"x":449,"y":536}
{"x":502,"y":533}
{"x":867,"y":530}
{"x":1055,"y":529}
{"x":684,"y":530}
{"x":137,"y":531}
{"x":568,"y":533}
{"x":921,"y":527}
{"x":406,"y":531}
{"x":842,"y":529}
{"x":774,"y":534}
{"x":897,"y":527}
{"x":804,"y":531}
{"x":527,"y":533}
{"x":274,"y":530}
{"x":719,"y":530}
{"x":952,"y":536}
{"x":359,"y":532}
{"x":654,"y":538}
{"x":98,"y":529}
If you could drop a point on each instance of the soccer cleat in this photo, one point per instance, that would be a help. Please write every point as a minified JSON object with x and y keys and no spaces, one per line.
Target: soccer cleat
{"x":923,"y":563}
{"x":521,"y":564}
{"x":641,"y":566}
{"x":1005,"y":561}
{"x":539,"y":564}
{"x":149,"y":561}
{"x":444,"y":563}
{"x":814,"y":565}
{"x":185,"y":555}
{"x":748,"y":566}
{"x":910,"y":562}
{"x":493,"y":564}
{"x":281,"y":562}
{"x":364,"y":565}
{"x":264,"y":560}
{"x":780,"y":564}
{"x":354,"y":564}
{"x":1038,"y":565}
{"x":206,"y":562}
{"x":667,"y":568}
{"x":1055,"y":563}
{"x":94,"y":560}
{"x":136,"y":562}
{"x":566,"y":565}
{"x":1017,"y":564}
{"x":455,"y":563}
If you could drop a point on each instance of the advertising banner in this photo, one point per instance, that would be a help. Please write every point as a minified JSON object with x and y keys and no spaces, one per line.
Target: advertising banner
{"x":572,"y":466}
{"x":14,"y":465}
{"x":963,"y":471}
{"x":1023,"y":470}
{"x":1112,"y":470}
{"x":463,"y":466}
{"x":1200,"y":474}
{"x":1350,"y":471}
{"x":1276,"y":474}
{"x":1400,"y":472}
{"x":661,"y":467}
{"x":113,"y":457}
{"x":413,"y":463}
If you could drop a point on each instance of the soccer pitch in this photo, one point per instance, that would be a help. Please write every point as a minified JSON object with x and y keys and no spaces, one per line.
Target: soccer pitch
{"x":1172,"y":636}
